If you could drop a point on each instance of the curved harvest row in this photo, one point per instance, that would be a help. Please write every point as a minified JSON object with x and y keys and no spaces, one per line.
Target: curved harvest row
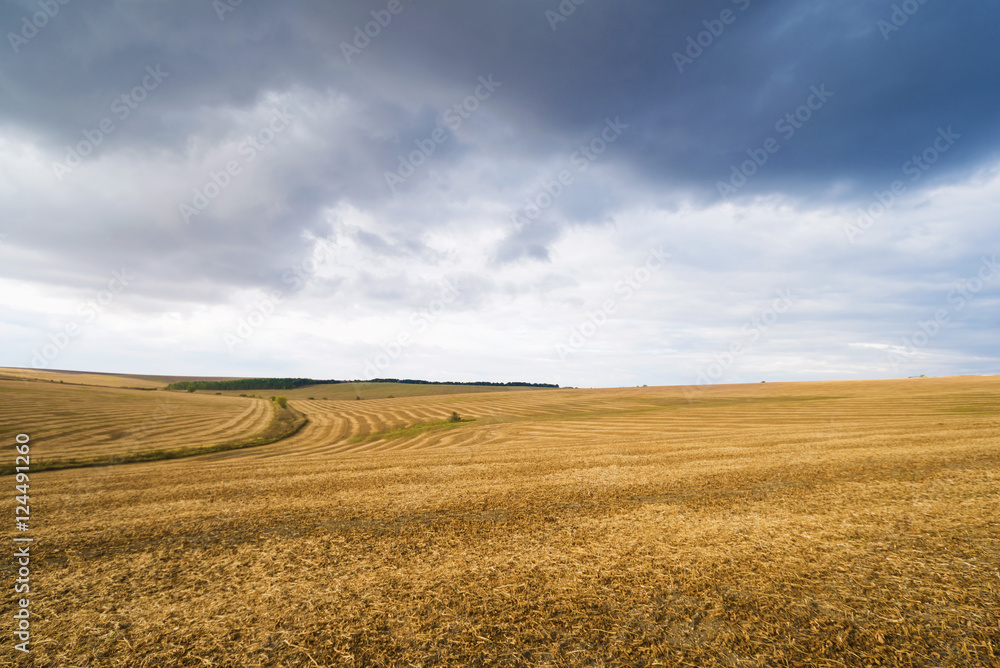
{"x":736,"y":416}
{"x":78,"y":422}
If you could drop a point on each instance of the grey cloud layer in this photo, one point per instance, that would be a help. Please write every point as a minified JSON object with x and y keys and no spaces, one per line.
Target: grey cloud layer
{"x":701,"y":87}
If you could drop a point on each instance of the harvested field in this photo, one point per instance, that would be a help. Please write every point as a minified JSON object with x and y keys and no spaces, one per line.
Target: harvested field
{"x":806,"y":524}
{"x":80,"y":378}
{"x":76,"y":422}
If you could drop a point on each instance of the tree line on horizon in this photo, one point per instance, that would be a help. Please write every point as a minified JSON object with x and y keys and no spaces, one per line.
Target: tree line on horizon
{"x":293,"y":383}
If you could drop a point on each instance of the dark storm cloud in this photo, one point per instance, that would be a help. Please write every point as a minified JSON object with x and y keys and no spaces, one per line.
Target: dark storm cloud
{"x":889,"y":94}
{"x":606,"y":58}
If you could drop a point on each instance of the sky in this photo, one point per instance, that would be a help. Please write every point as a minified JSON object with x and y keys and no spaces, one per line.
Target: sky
{"x":587,"y":192}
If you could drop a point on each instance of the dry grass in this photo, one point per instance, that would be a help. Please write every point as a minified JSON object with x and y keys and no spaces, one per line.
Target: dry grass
{"x":812,"y":524}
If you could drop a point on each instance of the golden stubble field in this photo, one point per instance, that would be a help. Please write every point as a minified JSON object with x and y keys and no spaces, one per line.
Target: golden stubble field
{"x":72,"y":421}
{"x":805,"y":524}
